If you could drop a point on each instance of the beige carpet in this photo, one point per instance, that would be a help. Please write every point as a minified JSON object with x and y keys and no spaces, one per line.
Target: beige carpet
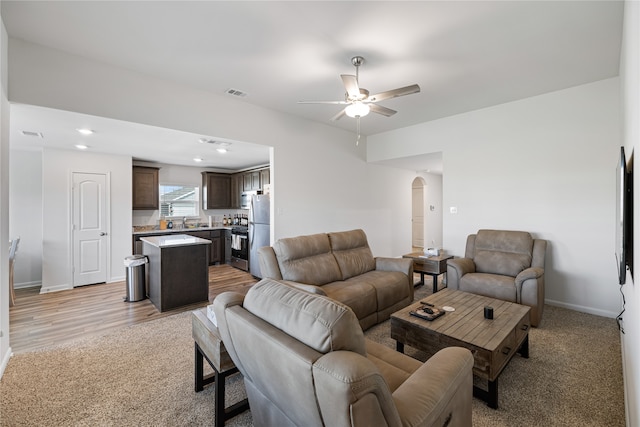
{"x":143,"y":376}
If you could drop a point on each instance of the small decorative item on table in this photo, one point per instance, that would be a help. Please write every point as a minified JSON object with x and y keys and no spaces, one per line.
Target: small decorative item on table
{"x":427,"y":312}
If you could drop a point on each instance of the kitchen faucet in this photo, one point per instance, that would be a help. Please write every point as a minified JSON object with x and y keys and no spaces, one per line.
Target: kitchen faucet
{"x":184,"y":222}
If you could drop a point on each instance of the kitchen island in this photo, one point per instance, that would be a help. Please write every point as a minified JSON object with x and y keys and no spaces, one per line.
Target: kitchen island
{"x":178,"y":270}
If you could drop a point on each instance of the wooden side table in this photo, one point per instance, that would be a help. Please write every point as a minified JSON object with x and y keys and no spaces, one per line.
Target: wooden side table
{"x":209,"y":346}
{"x":433,"y":266}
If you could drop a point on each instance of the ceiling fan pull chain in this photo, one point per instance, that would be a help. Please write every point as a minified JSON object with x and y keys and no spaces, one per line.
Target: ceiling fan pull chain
{"x":358,"y":127}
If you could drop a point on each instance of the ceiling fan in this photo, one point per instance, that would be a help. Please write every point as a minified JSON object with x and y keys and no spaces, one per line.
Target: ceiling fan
{"x":358,"y":101}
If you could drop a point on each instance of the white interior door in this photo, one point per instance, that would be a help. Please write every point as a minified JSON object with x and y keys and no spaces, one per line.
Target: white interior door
{"x":90,"y":236}
{"x":417,"y":214}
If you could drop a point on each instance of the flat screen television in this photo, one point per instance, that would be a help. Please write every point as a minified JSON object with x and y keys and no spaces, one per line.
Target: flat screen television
{"x":624,"y":217}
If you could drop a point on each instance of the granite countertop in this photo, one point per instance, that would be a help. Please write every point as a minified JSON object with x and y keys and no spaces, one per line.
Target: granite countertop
{"x":174,"y":240}
{"x":153,"y":230}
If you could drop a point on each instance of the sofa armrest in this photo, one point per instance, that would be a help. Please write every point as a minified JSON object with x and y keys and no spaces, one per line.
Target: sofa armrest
{"x":456,"y":268}
{"x":530,"y":291}
{"x":313,"y":289}
{"x":529,"y":273}
{"x":221,"y":303}
{"x":348,"y":385}
{"x":269,"y":263}
{"x":439,"y":392}
{"x":403,"y":265}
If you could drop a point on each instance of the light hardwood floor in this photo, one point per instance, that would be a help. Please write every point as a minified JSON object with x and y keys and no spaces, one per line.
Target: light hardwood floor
{"x":38,"y":321}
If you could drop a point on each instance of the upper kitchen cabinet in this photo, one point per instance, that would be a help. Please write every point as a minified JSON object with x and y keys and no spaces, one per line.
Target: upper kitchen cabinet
{"x":251,"y":181}
{"x":265,"y":178}
{"x":216,"y":191}
{"x":236,"y":189}
{"x":255,"y":180}
{"x":145,"y":188}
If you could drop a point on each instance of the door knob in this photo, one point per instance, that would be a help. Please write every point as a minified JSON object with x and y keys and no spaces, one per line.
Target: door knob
{"x":103,"y":233}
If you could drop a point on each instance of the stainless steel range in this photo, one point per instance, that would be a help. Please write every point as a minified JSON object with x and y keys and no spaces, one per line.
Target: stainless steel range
{"x":240,"y":247}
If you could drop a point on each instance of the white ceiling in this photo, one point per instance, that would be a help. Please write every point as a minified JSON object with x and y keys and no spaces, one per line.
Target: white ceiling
{"x":464,"y":55}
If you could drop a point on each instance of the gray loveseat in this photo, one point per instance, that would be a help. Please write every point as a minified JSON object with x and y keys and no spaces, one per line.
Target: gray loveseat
{"x":306,"y":362}
{"x":341,"y":266}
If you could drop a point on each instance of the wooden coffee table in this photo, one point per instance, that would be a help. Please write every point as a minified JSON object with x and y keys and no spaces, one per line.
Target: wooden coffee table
{"x":432,"y":265}
{"x":493,"y":342}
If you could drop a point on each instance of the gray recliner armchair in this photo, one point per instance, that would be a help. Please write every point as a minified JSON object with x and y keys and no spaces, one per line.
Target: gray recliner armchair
{"x":506,"y":265}
{"x":305,"y":362}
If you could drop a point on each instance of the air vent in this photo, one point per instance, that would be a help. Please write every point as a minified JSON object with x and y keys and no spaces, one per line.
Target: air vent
{"x":30,"y":133}
{"x":236,"y":92}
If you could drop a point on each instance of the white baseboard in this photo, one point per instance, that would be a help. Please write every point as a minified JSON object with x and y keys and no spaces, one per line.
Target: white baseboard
{"x":27,"y":285}
{"x":582,"y":309}
{"x":117,"y":279}
{"x":47,"y":289}
{"x":5,"y":361}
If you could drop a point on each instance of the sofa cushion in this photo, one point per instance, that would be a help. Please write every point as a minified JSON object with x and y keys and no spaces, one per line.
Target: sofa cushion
{"x":490,"y":285}
{"x":359,"y":295}
{"x":502,"y":252}
{"x":391,"y":287}
{"x":317,"y":321}
{"x":307,"y":259}
{"x":352,"y":253}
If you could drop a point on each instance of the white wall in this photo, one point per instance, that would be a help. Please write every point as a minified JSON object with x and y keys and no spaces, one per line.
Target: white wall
{"x":25,"y":215}
{"x":543,"y":164}
{"x":630,"y":88}
{"x":432,"y":219}
{"x":57,"y":169}
{"x":5,"y":347}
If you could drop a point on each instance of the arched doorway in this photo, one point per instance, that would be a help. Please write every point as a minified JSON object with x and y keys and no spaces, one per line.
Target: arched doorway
{"x":418,"y":197}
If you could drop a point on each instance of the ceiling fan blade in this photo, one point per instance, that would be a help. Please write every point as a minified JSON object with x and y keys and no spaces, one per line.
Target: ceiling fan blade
{"x":351,"y":85}
{"x":324,"y":102}
{"x":338,"y":116}
{"x":407,"y":90}
{"x":382,"y":110}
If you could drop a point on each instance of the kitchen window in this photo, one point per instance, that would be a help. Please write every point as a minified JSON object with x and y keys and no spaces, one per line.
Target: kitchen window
{"x":179,"y":201}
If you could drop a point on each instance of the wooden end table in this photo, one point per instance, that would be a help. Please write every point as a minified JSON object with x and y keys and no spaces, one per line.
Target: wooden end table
{"x":431,"y":265}
{"x":493,"y":342}
{"x":209,"y":346}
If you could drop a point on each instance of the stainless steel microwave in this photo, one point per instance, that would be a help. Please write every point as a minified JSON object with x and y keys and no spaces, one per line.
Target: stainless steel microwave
{"x":245,"y":199}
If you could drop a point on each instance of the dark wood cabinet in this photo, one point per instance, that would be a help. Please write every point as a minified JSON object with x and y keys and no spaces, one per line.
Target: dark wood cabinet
{"x":145,"y":188}
{"x":251,"y":181}
{"x":217,"y":247}
{"x":178,"y":275}
{"x":265,"y":178}
{"x":216,"y":191}
{"x":216,"y":251}
{"x":236,"y":190}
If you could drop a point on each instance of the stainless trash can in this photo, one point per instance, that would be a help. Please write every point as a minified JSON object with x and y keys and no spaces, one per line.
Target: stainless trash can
{"x":136,"y":266}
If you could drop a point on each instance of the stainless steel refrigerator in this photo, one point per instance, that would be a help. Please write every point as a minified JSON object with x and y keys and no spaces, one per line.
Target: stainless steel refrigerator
{"x":259,"y":227}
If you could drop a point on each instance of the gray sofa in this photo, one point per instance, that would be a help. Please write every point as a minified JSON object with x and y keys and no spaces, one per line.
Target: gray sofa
{"x":502,"y":264}
{"x":341,"y":266}
{"x":306,"y":362}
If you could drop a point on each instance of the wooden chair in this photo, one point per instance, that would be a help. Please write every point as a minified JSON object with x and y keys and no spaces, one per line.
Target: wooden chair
{"x":12,"y":259}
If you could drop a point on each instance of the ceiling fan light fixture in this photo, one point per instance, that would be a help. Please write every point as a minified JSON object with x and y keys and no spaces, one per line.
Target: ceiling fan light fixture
{"x":357,"y":109}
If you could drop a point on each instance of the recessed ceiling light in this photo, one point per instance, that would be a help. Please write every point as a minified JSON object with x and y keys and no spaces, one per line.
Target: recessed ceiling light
{"x":85,"y":131}
{"x":81,"y":146}
{"x":221,"y":150}
{"x":197,"y":159}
